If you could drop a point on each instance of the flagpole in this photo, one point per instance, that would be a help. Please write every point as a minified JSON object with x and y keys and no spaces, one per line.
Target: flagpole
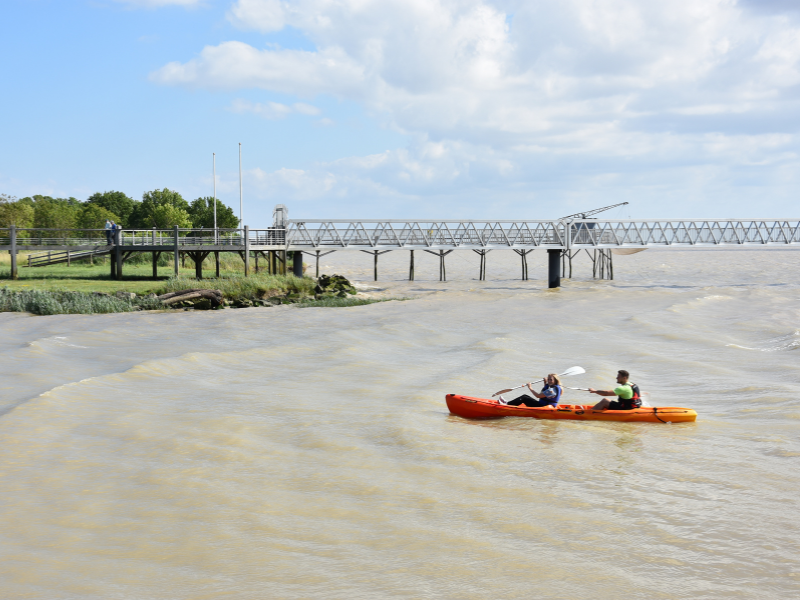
{"x":241,"y":218}
{"x":214,"y":170}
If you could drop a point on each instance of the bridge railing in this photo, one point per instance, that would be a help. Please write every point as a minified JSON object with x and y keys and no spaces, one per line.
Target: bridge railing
{"x":592,"y":233}
{"x":29,"y":236}
{"x":424,"y":234}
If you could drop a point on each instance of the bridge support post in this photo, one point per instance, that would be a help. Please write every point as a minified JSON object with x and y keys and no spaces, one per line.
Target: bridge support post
{"x":155,"y":256}
{"x":524,"y":256}
{"x":246,"y":250}
{"x":216,"y":262}
{"x":177,"y":251}
{"x":482,"y":269}
{"x":13,"y":235}
{"x":411,"y":268}
{"x":118,"y":252}
{"x":442,"y":270}
{"x":553,"y":268}
{"x":297,"y":264}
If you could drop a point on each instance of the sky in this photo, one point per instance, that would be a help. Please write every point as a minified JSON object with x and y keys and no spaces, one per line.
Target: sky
{"x":417,"y":109}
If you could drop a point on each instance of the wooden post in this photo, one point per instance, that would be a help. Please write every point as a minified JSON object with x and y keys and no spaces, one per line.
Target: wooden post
{"x":610,"y":265}
{"x":256,"y":256}
{"x":482,"y":269}
{"x":246,"y":250}
{"x":410,"y":268}
{"x":198,"y":264}
{"x":155,"y":256}
{"x":317,"y":264}
{"x":216,"y":261}
{"x":442,"y":270}
{"x":118,"y":252}
{"x":177,"y":251}
{"x":524,"y":258}
{"x":284,"y":266}
{"x":12,"y":231}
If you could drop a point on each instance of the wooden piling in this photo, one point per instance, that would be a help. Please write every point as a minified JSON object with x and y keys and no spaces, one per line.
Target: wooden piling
{"x":118,"y":252}
{"x":246,"y":250}
{"x":524,"y":259}
{"x":482,"y":268}
{"x":216,"y":262}
{"x":13,"y":251}
{"x":411,"y":268}
{"x":442,"y":268}
{"x":177,"y":251}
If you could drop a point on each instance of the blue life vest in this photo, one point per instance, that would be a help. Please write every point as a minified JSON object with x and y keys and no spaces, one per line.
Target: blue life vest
{"x":554,"y":394}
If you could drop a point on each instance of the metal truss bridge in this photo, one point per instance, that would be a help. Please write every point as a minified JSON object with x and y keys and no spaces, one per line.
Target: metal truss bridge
{"x":561,"y":238}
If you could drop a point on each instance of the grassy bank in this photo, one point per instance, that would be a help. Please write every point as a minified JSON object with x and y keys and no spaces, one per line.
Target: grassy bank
{"x":82,"y":288}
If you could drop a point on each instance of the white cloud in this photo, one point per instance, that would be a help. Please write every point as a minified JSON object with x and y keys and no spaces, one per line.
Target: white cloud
{"x":273,"y":110}
{"x":491,"y":89}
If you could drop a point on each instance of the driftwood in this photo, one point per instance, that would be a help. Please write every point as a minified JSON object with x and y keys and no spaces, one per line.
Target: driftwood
{"x":173,"y":297}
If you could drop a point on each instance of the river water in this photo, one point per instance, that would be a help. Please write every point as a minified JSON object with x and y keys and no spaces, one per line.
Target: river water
{"x":308,"y":453}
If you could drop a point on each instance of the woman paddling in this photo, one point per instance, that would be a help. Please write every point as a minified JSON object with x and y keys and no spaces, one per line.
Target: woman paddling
{"x":549,"y":396}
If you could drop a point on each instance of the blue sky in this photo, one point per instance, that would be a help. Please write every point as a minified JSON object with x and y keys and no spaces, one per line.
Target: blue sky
{"x":409,"y":109}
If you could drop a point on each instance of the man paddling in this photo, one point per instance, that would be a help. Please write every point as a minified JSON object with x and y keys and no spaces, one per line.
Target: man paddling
{"x":628,"y":395}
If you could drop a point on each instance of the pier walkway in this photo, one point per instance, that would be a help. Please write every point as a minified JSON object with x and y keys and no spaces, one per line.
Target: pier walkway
{"x":561,"y":238}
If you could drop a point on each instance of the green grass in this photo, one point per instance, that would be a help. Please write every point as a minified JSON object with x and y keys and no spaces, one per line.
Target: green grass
{"x":237,"y":286}
{"x":62,"y":289}
{"x":43,"y":302}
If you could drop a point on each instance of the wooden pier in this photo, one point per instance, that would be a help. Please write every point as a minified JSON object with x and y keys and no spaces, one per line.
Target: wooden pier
{"x":289,"y":239}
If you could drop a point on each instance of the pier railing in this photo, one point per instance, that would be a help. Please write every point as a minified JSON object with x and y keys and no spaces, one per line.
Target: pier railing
{"x":592,"y":233}
{"x":58,"y":238}
{"x":432,"y":235}
{"x":391,"y":234}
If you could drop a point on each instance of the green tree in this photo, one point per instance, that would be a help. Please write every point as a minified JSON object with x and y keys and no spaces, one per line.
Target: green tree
{"x":116,"y":203}
{"x":16,"y":213}
{"x":56,"y":213}
{"x":168,"y":216}
{"x":94,"y":216}
{"x":202,"y":213}
{"x":162,"y":209}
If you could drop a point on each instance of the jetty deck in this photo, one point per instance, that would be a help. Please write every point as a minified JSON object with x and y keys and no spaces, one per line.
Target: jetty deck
{"x":562,"y":239}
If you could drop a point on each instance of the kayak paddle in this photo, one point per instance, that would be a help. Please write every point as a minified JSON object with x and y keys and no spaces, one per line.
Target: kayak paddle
{"x":567,"y":373}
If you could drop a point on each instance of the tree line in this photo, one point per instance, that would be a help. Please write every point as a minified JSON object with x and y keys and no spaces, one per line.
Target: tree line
{"x":162,"y":209}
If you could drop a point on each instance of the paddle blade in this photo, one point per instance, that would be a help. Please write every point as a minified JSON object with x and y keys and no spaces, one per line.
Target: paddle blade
{"x":573,"y":371}
{"x":502,"y":392}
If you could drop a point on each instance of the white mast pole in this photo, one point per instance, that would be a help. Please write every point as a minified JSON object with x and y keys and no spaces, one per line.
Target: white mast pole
{"x":241,"y":218}
{"x":214,"y":171}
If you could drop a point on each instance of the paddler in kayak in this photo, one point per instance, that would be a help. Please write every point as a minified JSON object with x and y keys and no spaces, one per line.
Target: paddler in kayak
{"x":627,"y":393}
{"x":550,"y":394}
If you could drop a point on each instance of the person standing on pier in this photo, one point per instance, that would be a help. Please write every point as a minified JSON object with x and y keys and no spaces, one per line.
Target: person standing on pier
{"x":108,"y":232}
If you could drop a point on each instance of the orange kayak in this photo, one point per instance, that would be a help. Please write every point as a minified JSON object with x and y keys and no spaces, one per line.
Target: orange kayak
{"x":483,"y":408}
